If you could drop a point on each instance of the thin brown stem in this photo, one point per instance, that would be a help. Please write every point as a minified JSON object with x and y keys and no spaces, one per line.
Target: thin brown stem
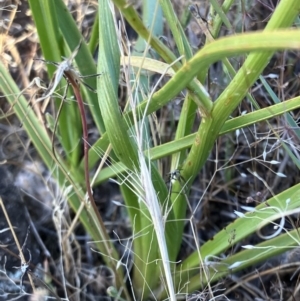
{"x":76,"y":88}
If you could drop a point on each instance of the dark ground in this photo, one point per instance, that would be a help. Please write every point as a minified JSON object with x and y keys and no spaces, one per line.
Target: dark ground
{"x":31,"y":197}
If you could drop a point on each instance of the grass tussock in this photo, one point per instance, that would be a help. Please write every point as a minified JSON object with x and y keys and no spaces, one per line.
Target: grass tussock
{"x":149,"y":150}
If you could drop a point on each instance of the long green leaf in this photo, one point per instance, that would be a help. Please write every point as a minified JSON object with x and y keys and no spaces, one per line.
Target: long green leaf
{"x":84,"y":60}
{"x":66,"y":180}
{"x":184,"y":143}
{"x":252,"y":221}
{"x":51,"y":41}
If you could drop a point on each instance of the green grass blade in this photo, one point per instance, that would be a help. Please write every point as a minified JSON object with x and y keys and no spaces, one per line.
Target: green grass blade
{"x":109,"y":66}
{"x":126,"y":149}
{"x":282,"y":204}
{"x":48,"y":31}
{"x":210,"y":126}
{"x":94,"y":39}
{"x":289,"y":120}
{"x":84,"y":60}
{"x":59,"y":170}
{"x":217,"y":20}
{"x":179,"y":36}
{"x":186,"y":142}
{"x":250,"y":257}
{"x":188,"y":112}
{"x":209,"y":54}
{"x":221,"y":13}
{"x":292,"y":123}
{"x":200,"y":95}
{"x":51,"y":41}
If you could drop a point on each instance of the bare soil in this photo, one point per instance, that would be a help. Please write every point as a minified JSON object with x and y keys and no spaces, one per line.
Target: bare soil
{"x":33,"y":201}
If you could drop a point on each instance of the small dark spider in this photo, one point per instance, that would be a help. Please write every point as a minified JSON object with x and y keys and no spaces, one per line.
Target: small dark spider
{"x":176,"y":176}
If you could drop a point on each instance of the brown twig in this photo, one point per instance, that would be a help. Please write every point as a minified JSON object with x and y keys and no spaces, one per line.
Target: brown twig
{"x":76,"y":88}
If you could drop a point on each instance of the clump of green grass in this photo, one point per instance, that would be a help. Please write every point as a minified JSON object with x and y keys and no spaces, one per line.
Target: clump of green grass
{"x":158,"y":211}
